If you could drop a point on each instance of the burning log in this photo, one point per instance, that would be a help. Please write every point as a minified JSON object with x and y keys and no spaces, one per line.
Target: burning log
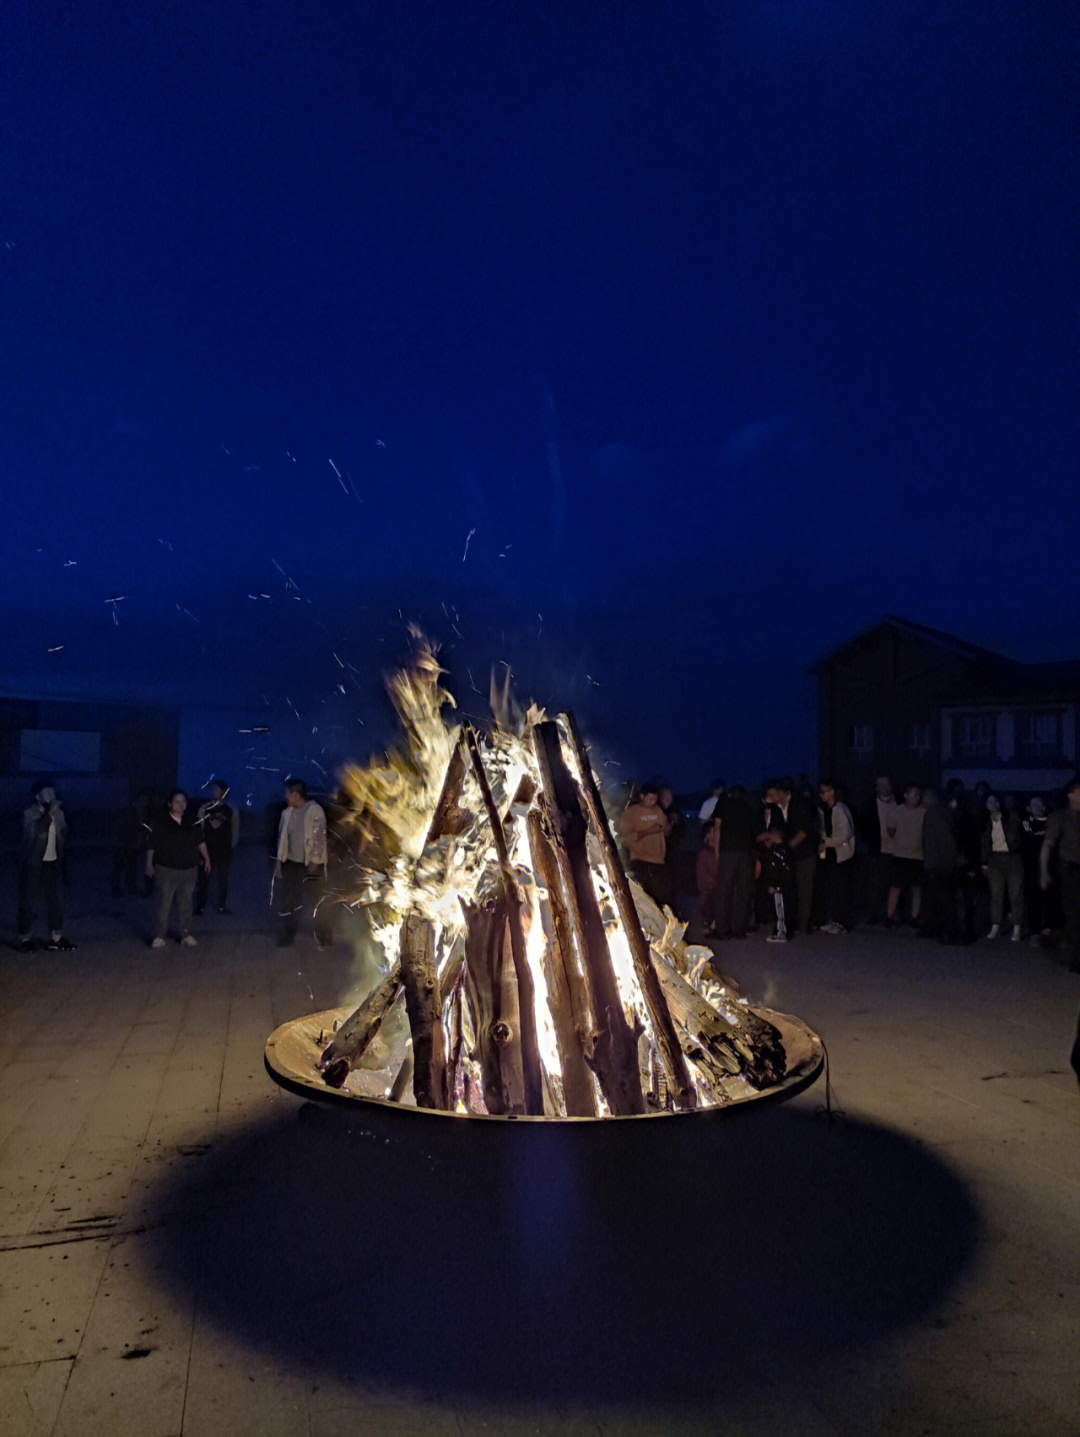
{"x":354,"y":1036}
{"x":575,"y":1028}
{"x":751,"y":1046}
{"x":503,"y":1018}
{"x":526,"y":994}
{"x":717,"y":1019}
{"x":494,"y":998}
{"x":614,"y":1058}
{"x":352,"y":1039}
{"x":420,"y":979}
{"x":667,"y":1041}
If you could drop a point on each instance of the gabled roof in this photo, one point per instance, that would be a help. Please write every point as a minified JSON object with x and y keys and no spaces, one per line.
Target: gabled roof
{"x":990,"y":675}
{"x":937,"y":637}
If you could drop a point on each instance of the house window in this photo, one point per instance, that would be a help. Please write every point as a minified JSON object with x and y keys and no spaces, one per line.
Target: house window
{"x":861,"y":738}
{"x":1039,"y":734}
{"x":973,"y":735}
{"x":918,"y":738}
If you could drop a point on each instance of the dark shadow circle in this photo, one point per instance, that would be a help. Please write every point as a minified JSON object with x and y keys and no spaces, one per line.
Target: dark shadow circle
{"x":658,"y":1261}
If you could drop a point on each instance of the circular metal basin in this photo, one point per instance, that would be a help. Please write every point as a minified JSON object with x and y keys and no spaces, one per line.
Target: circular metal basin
{"x":293,"y":1051}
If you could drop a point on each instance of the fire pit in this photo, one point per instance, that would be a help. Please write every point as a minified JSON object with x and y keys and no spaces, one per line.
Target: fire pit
{"x":525,"y":975}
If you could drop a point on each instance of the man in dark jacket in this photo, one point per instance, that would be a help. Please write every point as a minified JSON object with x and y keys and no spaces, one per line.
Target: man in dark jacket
{"x":740,"y":822}
{"x":41,"y":876}
{"x":175,"y":851}
{"x":220,"y":824}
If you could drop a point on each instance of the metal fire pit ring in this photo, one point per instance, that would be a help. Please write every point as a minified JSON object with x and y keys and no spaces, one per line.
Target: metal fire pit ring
{"x":293,"y":1050}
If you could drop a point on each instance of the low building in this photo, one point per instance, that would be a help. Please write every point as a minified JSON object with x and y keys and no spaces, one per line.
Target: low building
{"x":923,"y":706}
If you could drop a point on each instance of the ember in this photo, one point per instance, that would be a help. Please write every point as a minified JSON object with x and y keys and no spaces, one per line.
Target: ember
{"x":524,"y":973}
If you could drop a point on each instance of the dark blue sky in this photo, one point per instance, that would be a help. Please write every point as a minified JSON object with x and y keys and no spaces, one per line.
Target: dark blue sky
{"x":721,"y":328}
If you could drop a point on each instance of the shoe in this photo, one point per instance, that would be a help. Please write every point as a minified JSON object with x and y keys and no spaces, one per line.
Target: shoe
{"x":223,"y":909}
{"x":776,"y":938}
{"x":995,"y":931}
{"x":63,"y":945}
{"x":158,"y":943}
{"x":1016,"y":933}
{"x":189,"y":940}
{"x":26,"y":945}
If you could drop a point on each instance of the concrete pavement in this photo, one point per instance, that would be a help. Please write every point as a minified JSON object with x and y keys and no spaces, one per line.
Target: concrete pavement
{"x":187,"y":1249}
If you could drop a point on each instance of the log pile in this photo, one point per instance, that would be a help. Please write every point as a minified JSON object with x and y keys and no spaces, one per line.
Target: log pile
{"x":536,"y":978}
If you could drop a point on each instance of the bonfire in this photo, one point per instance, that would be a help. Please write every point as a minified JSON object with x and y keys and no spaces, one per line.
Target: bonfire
{"x":523,"y":973}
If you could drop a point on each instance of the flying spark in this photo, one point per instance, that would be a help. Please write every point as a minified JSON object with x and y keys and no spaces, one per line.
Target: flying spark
{"x":468,"y":538}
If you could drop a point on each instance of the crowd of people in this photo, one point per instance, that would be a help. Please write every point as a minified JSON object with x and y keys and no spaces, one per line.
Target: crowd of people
{"x":791,"y":859}
{"x":171,"y":852}
{"x":787,"y":860}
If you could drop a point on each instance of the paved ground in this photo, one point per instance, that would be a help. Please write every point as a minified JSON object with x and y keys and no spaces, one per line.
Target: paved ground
{"x":186,"y":1249}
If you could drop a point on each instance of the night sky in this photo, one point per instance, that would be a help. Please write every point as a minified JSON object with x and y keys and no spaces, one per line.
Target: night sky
{"x":650,"y":349}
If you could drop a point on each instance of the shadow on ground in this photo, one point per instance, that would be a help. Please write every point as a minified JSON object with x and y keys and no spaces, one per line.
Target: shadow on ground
{"x":665,"y":1260}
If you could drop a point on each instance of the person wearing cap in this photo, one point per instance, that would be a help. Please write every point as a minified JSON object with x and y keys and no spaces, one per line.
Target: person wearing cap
{"x":41,"y":875}
{"x":1003,"y":864}
{"x":1063,"y":835}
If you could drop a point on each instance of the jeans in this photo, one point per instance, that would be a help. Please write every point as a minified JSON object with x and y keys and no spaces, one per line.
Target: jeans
{"x":1006,"y":870}
{"x":40,"y":886}
{"x":170,"y":883}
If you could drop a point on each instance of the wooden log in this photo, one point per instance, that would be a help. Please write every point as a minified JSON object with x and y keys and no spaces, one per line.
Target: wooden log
{"x":567,"y":995}
{"x":667,"y":1041}
{"x":614,"y":1059}
{"x":750,"y":1045}
{"x":525,"y":997}
{"x":354,"y":1036}
{"x":497,"y":1042}
{"x":420,"y":980}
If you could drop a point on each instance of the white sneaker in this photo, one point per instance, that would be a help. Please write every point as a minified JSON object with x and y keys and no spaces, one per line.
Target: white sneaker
{"x":776,"y":938}
{"x":188,"y":940}
{"x":995,"y":931}
{"x":158,"y":943}
{"x":1016,"y":933}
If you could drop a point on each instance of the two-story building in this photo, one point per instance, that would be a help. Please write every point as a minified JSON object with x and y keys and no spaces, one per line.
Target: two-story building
{"x":922,"y":706}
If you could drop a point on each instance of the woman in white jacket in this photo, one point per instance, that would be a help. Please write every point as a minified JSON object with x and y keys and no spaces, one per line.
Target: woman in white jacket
{"x":836,"y":849}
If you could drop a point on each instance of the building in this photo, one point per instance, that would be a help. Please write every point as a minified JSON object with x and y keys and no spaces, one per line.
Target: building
{"x":922,"y":706}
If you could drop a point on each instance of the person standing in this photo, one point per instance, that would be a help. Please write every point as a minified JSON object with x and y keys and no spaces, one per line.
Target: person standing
{"x":941,"y":858}
{"x":707,"y":864}
{"x":876,"y":831}
{"x":220,"y":824}
{"x":836,"y":850}
{"x":301,"y":856}
{"x":799,"y":827}
{"x":740,"y":822}
{"x":777,"y":871}
{"x":1003,"y":864}
{"x":1032,"y":834}
{"x":644,"y":827}
{"x":175,"y":850}
{"x":41,"y":875}
{"x":1063,"y":834}
{"x":905,"y":832}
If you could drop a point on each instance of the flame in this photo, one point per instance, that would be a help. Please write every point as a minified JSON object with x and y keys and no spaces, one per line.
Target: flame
{"x":393,"y":801}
